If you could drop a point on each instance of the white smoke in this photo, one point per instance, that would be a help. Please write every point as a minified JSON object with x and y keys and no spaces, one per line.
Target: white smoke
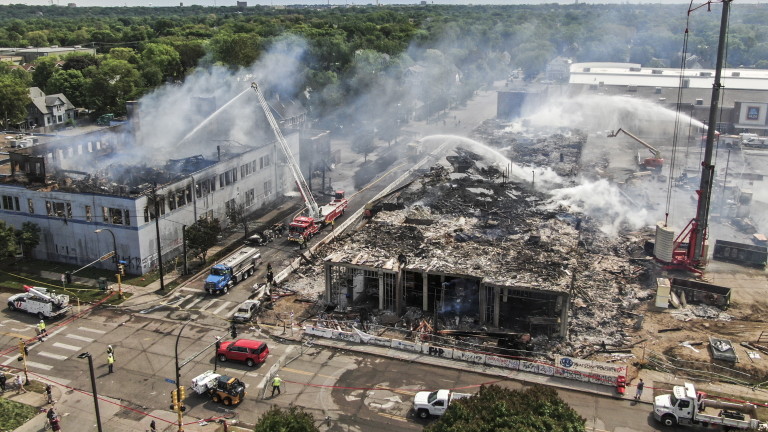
{"x":603,"y":202}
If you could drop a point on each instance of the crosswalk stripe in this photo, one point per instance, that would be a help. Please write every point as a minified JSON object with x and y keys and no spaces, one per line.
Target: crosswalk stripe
{"x":208,"y":305}
{"x":53,"y":356}
{"x":66,"y":347}
{"x":232,"y":312}
{"x":39,"y":365}
{"x":194,"y":302}
{"x":189,"y":289}
{"x":92,"y":330}
{"x":80,"y":338}
{"x":220,"y":308}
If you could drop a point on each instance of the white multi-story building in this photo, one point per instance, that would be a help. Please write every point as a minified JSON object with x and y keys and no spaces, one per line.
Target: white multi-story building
{"x":70,"y":205}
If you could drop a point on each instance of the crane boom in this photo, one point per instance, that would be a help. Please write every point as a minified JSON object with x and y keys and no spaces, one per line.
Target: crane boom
{"x":656,"y":153}
{"x":309,"y":200}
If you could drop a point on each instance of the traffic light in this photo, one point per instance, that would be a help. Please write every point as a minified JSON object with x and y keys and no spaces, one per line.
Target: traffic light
{"x":121,"y":269}
{"x":68,"y":276}
{"x":182,"y":393}
{"x":23,"y":351}
{"x":233,"y":331}
{"x":175,"y":400}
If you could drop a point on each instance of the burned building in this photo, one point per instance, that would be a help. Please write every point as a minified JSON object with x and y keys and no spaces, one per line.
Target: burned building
{"x":466,"y":246}
{"x":74,"y":186}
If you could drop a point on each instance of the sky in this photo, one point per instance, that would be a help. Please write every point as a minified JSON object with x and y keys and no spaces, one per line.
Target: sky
{"x":168,"y":3}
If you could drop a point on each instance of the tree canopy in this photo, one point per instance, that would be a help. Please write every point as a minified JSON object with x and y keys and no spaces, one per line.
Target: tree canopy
{"x":497,"y":409}
{"x":202,"y":235}
{"x":294,"y":419}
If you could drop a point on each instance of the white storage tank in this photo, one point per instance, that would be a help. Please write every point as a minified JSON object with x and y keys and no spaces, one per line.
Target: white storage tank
{"x":664,"y":246}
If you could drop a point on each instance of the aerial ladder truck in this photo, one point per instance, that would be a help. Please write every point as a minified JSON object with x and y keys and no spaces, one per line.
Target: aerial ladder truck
{"x":656,"y":162}
{"x":303,"y":228}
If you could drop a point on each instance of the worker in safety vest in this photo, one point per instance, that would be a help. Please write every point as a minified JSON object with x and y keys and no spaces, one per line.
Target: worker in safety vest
{"x":276,"y":383}
{"x":41,"y":330}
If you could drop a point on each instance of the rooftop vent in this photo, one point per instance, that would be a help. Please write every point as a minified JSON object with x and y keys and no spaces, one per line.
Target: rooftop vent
{"x":699,"y":101}
{"x":657,"y":90}
{"x":631,"y":88}
{"x":705,"y":74}
{"x":634,"y":69}
{"x":686,"y":82}
{"x":657,"y":71}
{"x":586,"y":69}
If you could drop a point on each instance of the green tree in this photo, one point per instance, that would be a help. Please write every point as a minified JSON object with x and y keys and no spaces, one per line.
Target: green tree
{"x":127,"y":54}
{"x":79,"y":61}
{"x":44,"y":69}
{"x":112,"y":83}
{"x":37,"y":38}
{"x":294,"y":419}
{"x":8,"y":244}
{"x":163,"y":58}
{"x":28,"y":237}
{"x":201,"y":236}
{"x":14,"y":99}
{"x":236,"y":215}
{"x":497,"y":409}
{"x":71,"y":83}
{"x":236,"y":49}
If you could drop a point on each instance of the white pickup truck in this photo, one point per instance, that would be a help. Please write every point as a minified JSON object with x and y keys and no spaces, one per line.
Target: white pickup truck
{"x":435,"y":403}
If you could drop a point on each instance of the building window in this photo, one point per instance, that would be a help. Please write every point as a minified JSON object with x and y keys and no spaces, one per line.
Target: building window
{"x":114,"y":216}
{"x":88,"y":214}
{"x":59,"y":209}
{"x":221,"y":181}
{"x":250,"y":198}
{"x":171,"y":201}
{"x":31,"y":206}
{"x":264,"y":161}
{"x":11,"y":203}
{"x":127,"y":217}
{"x":267,"y":188}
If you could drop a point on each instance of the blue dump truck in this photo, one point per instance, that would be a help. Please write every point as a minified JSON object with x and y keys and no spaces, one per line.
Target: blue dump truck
{"x":237,"y":267}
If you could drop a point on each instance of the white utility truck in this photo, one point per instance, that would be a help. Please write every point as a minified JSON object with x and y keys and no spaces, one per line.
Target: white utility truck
{"x":39,"y":301}
{"x":435,"y":403}
{"x":685,"y":406}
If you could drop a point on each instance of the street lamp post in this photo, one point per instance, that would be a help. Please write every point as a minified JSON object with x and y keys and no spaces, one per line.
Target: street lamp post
{"x":93,"y":387}
{"x":114,"y":247}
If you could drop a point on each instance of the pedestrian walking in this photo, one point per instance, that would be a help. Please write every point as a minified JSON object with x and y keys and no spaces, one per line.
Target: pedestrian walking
{"x":110,"y":362}
{"x":2,"y":381}
{"x":49,"y":393}
{"x":20,"y":384}
{"x":639,"y":392}
{"x":41,"y":330}
{"x":276,"y":383}
{"x":152,"y":426}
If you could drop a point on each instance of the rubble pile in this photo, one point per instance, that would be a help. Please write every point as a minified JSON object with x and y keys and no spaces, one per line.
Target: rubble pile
{"x":115,"y":179}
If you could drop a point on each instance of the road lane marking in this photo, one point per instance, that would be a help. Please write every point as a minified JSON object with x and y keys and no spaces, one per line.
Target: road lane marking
{"x":39,"y":365}
{"x":405,"y":392}
{"x":189,"y":289}
{"x":194,"y":302}
{"x":393,"y":417}
{"x":208,"y":305}
{"x":80,"y":338}
{"x":233,"y":310}
{"x":220,"y":308}
{"x":15,"y":335}
{"x":53,"y":356}
{"x":92,"y":330}
{"x":67,"y":347}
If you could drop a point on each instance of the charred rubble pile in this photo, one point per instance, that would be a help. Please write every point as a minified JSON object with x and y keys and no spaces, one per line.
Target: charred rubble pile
{"x":560,"y":150}
{"x":503,"y":233}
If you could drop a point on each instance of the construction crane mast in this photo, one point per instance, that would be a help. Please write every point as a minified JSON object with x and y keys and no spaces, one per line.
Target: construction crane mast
{"x":309,"y":200}
{"x":689,"y":251}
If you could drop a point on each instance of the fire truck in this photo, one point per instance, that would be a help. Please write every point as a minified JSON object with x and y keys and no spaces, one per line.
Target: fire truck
{"x":303,"y":227}
{"x":39,"y":301}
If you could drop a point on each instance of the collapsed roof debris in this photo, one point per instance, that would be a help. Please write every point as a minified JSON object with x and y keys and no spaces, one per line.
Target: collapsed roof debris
{"x":464,"y":218}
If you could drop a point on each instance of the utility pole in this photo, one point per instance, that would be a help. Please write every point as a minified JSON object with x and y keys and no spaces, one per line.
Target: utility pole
{"x":157,"y":232}
{"x":184,"y":246}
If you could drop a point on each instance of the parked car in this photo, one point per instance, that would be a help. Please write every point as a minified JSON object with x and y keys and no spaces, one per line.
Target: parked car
{"x":243,"y":350}
{"x":246,"y":311}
